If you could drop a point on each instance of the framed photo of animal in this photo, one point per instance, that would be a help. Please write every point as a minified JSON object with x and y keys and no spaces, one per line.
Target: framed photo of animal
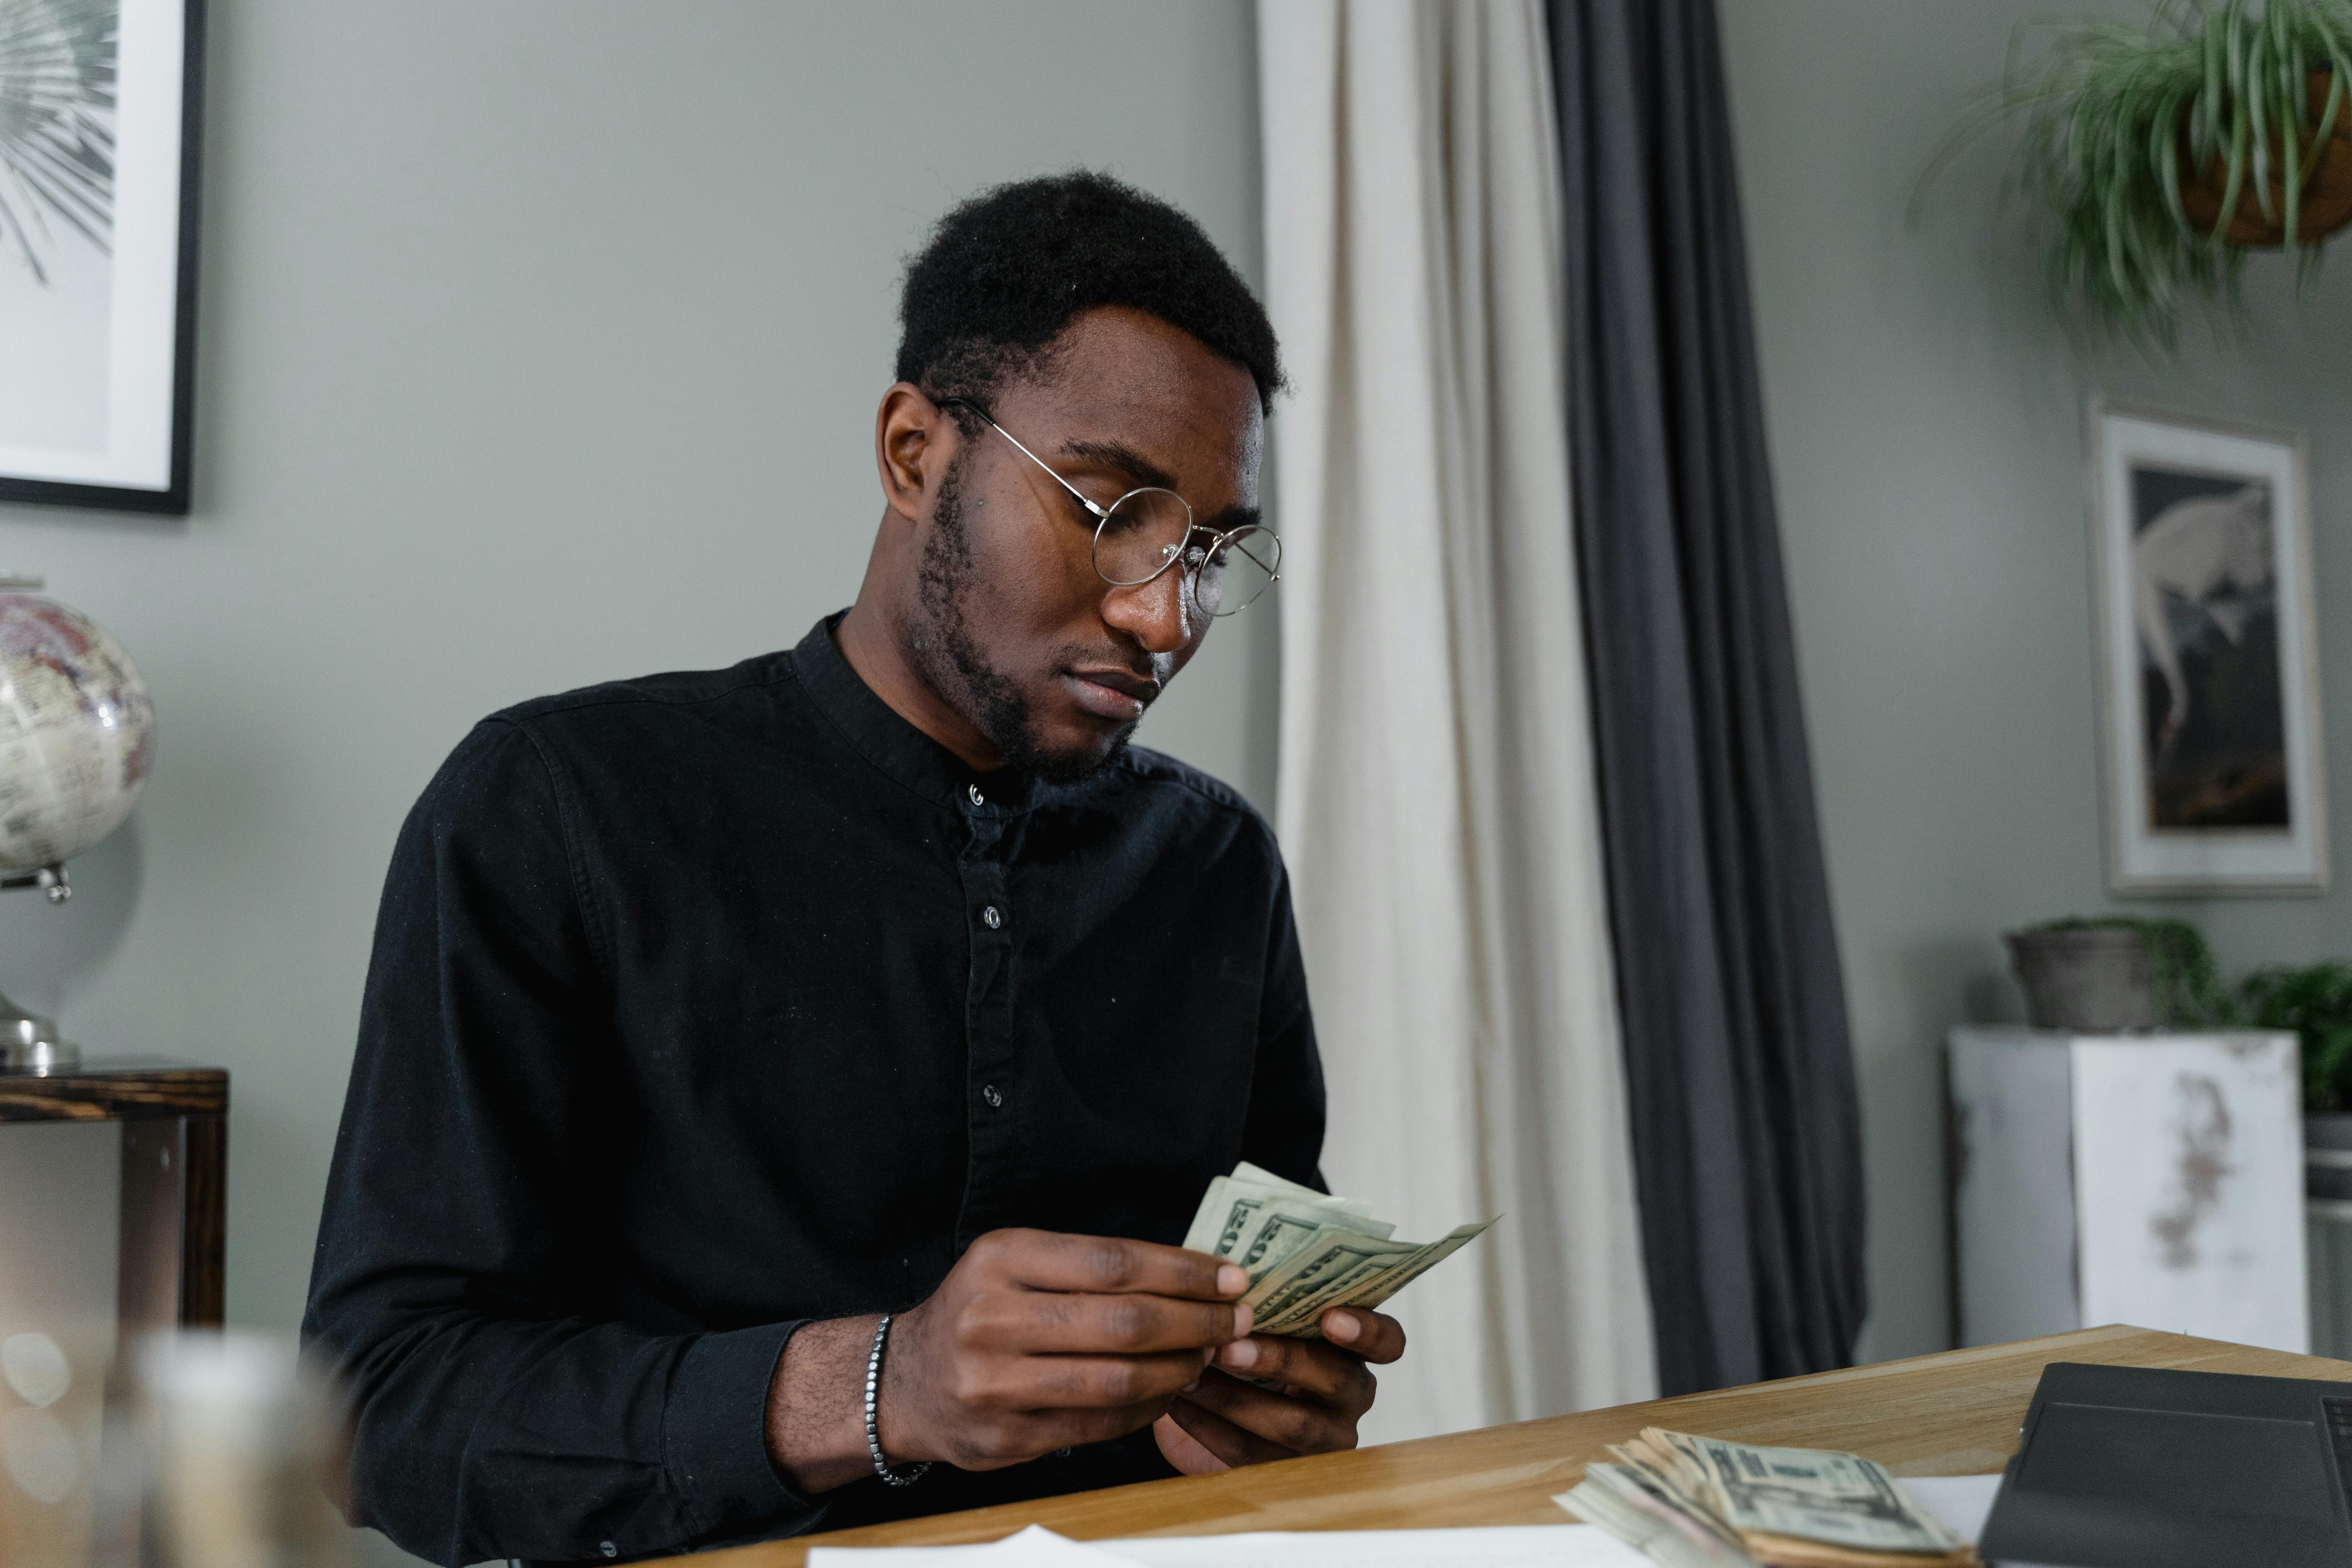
{"x":2209,"y":657}
{"x":99,"y":116}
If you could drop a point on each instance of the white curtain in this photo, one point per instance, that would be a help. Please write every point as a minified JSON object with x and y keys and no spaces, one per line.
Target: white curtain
{"x":1437,"y":803}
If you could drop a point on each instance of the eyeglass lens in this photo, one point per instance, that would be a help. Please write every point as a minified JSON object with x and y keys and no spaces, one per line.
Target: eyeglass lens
{"x":1230,"y":572}
{"x":1140,"y":535}
{"x":1149,"y":528}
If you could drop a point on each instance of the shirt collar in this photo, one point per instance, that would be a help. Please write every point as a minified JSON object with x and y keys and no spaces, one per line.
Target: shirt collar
{"x":878,"y":733}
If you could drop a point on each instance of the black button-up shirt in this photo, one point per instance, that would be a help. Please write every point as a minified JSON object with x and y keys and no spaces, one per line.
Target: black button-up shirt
{"x":707,"y":1005}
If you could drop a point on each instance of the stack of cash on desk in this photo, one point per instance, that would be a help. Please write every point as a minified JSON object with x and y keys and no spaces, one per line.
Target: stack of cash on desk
{"x":1701,"y":1502}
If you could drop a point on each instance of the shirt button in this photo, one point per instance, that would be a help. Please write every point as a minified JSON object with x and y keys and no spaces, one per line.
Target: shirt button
{"x":988,"y":1092}
{"x":990,"y":917}
{"x":977,"y":798}
{"x":608,"y":1549}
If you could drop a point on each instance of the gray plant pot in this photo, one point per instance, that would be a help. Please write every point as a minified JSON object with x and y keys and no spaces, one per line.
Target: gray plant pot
{"x":2095,"y":981}
{"x":2327,"y":1155}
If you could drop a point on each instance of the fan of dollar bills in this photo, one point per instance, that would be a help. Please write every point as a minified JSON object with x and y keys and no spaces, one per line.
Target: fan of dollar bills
{"x":1305,"y":1252}
{"x":1701,"y":1502}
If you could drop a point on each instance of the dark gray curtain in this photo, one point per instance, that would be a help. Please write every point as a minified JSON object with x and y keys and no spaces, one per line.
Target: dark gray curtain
{"x":1740,"y":1076}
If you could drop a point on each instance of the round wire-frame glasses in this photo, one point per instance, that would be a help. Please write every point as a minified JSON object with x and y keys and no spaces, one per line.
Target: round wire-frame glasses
{"x":1150,"y":528}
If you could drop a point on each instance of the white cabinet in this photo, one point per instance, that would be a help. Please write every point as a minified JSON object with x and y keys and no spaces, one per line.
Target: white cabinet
{"x":2147,"y":1179}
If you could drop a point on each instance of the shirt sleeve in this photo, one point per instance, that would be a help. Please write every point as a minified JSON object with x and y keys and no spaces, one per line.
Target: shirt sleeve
{"x":1285,"y":1128}
{"x":454,"y":1283}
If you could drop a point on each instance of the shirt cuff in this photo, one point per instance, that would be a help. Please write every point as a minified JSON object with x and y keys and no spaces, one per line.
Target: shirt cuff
{"x":715,"y":1433}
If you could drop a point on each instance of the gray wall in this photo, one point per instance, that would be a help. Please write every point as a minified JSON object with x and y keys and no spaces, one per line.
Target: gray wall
{"x":541,"y":345}
{"x":1925,"y":415}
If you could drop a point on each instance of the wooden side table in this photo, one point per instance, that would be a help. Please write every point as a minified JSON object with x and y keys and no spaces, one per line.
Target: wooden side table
{"x":163,"y":1126}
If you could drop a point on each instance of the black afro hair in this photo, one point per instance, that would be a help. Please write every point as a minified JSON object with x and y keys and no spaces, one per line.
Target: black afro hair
{"x":1004,"y":272}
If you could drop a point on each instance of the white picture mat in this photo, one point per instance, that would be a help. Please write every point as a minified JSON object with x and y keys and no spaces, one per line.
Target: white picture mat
{"x":2189,"y":1186}
{"x":2141,"y":858}
{"x":144,"y":333}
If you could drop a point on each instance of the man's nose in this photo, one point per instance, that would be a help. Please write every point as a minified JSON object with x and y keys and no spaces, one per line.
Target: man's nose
{"x":1158,"y":613}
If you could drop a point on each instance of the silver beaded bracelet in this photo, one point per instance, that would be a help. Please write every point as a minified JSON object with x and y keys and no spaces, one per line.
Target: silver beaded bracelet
{"x":911,"y":1473}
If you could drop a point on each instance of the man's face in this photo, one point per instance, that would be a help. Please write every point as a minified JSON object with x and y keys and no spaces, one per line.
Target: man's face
{"x":1011,"y":624}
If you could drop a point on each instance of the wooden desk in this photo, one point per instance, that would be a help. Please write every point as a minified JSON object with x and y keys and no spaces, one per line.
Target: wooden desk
{"x":1950,"y":1415}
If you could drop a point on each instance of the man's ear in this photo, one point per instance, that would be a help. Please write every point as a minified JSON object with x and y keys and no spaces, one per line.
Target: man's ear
{"x":914,"y":441}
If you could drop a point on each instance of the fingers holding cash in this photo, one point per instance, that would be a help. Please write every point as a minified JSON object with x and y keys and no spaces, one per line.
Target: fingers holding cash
{"x":1316,"y":1266}
{"x":1037,"y":1341}
{"x":1305,"y":1252}
{"x":1375,"y":1336}
{"x":1270,"y":1398}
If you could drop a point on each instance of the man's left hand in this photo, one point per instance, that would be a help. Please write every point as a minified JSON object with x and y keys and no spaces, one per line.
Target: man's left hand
{"x":1325,"y":1389}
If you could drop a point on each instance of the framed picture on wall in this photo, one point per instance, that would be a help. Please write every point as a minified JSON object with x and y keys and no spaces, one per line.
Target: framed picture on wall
{"x":2209,"y":665}
{"x":99,"y":102}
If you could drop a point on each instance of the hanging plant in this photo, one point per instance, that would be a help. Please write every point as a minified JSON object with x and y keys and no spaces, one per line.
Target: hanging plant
{"x":2160,"y":152}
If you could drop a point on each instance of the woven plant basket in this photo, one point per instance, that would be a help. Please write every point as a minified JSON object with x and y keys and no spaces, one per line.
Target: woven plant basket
{"x":2326,"y":194}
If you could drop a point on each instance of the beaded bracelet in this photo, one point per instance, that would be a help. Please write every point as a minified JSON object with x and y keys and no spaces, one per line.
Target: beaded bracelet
{"x":911,"y":1473}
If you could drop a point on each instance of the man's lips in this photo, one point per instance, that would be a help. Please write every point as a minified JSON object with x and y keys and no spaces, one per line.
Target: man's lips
{"x":1116,"y":694}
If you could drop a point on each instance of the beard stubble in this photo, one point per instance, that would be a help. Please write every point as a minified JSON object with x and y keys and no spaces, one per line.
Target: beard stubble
{"x":941,"y":647}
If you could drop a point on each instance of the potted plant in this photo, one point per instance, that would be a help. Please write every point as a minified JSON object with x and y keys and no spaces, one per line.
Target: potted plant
{"x":2315,"y":1000}
{"x":2163,"y":151}
{"x":2100,"y":973}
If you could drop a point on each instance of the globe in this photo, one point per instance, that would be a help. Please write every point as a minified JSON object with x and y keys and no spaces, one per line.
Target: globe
{"x":76,"y":733}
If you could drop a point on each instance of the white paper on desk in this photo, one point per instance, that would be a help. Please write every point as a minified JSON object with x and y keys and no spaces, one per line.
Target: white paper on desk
{"x":1964,"y":1502}
{"x":1036,"y":1547}
{"x":1490,"y":1546}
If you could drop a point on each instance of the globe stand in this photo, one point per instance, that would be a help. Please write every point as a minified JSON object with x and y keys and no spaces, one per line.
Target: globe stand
{"x":51,"y":880}
{"x":29,"y":1042}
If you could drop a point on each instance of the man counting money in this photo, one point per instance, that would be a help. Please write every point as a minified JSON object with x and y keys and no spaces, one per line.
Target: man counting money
{"x":781,"y":1089}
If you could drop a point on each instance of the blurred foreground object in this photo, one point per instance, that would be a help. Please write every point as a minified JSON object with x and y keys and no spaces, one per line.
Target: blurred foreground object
{"x":111,"y":1186}
{"x":231,"y":1440}
{"x":52,"y":1384}
{"x":77,"y":739}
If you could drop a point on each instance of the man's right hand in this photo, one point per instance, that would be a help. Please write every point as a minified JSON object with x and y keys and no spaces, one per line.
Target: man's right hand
{"x":1033,"y":1342}
{"x":1036,"y":1341}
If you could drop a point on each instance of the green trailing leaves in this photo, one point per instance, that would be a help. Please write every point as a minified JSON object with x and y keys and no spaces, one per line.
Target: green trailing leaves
{"x":2106,"y":111}
{"x":2189,"y":991}
{"x":2313,"y":1001}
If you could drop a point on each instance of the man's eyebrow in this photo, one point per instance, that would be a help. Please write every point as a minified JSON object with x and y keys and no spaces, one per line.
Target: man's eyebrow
{"x":1120,"y":459}
{"x":1123,"y":459}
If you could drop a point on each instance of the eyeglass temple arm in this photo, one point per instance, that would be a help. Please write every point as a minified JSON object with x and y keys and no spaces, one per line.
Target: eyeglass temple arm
{"x":1216,"y":536}
{"x":1098,"y":511}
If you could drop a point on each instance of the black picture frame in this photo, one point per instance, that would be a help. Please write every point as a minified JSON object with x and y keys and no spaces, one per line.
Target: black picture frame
{"x":174,"y":499}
